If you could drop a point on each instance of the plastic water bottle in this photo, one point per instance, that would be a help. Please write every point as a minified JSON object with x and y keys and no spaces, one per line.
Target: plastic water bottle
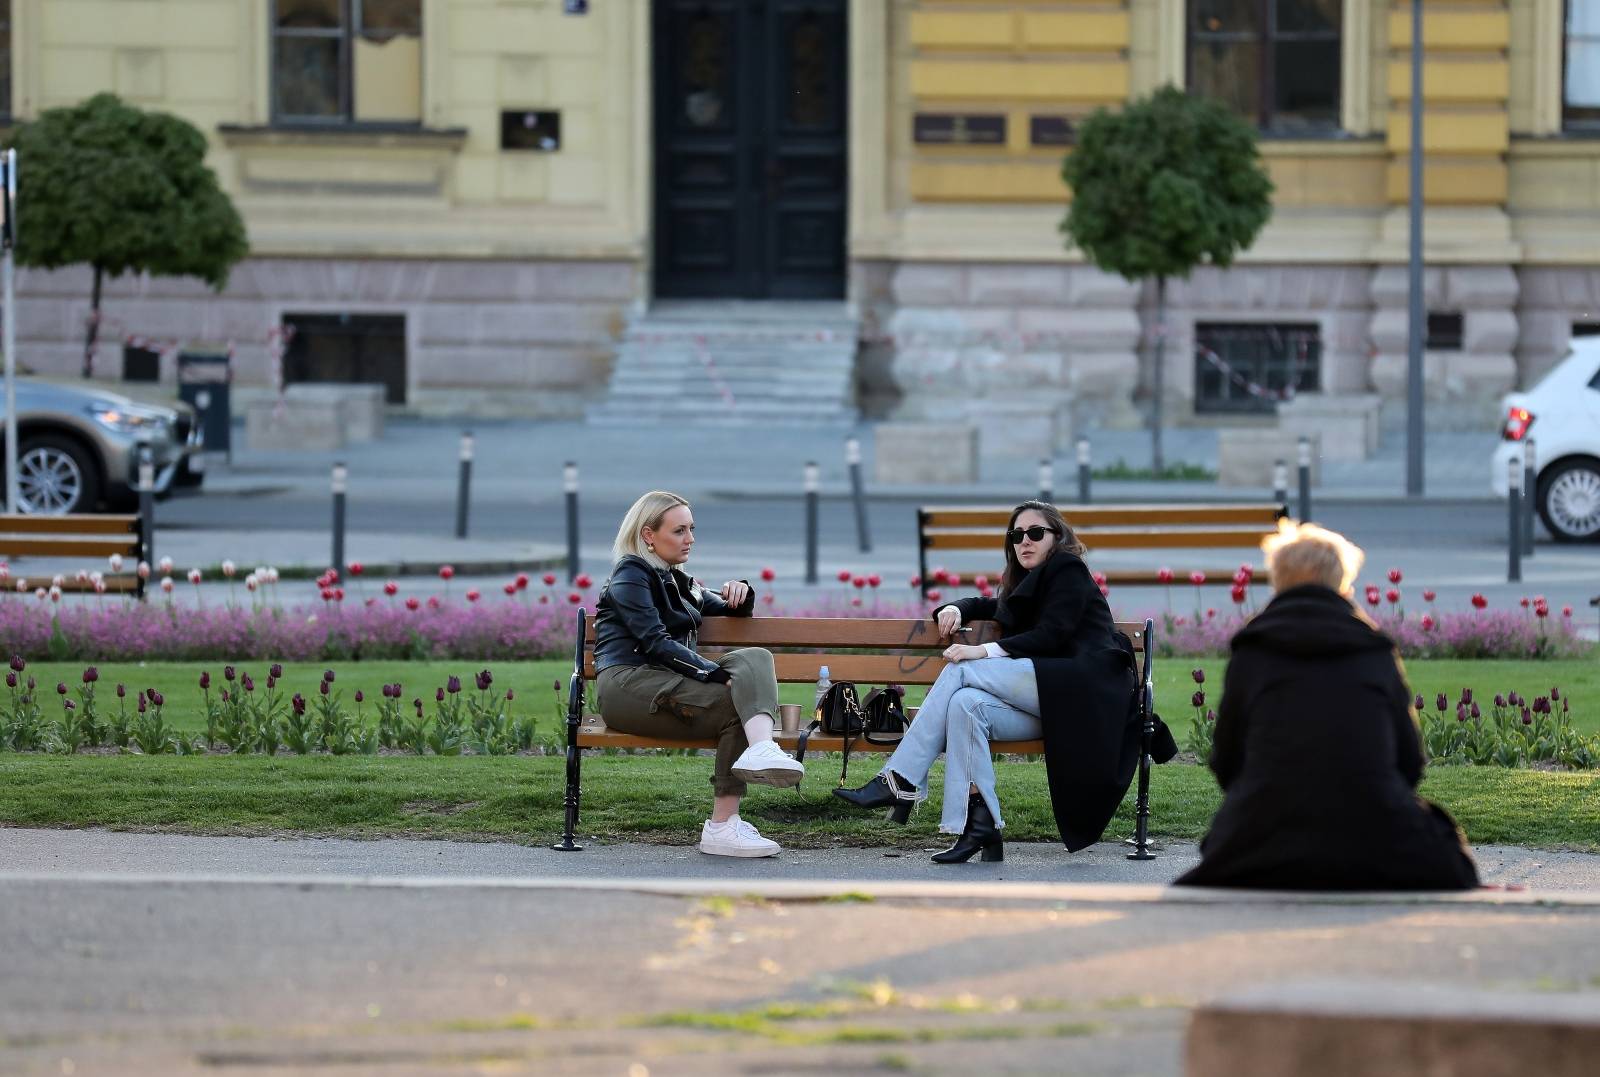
{"x":823,"y":684}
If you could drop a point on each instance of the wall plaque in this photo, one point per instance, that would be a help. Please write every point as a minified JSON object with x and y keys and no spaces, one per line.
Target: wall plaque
{"x":1050,"y":131}
{"x":958,"y":129}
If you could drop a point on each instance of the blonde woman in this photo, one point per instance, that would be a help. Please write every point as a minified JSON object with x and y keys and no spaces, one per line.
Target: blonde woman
{"x":651,"y":682}
{"x":1317,"y":749}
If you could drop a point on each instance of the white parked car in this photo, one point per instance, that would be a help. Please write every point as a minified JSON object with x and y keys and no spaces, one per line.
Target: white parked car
{"x":1561,"y":415}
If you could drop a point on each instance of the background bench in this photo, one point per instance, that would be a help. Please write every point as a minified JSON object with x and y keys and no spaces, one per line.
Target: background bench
{"x":902,"y":651}
{"x":1108,"y":527}
{"x":92,"y":538}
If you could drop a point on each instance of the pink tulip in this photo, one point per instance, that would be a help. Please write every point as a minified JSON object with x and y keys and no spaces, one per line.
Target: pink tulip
{"x":1197,"y":578}
{"x":1427,"y":623}
{"x":1163,"y":575}
{"x":1394,"y":575}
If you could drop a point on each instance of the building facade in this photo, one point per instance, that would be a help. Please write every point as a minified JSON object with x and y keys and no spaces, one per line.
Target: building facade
{"x":472,"y":201}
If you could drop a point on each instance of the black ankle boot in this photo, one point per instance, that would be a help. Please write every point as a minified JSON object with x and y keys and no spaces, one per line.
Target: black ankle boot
{"x":878,"y":793}
{"x":980,"y":834}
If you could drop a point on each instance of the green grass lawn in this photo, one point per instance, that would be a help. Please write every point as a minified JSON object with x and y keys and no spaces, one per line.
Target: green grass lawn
{"x":650,"y":798}
{"x":534,"y":682}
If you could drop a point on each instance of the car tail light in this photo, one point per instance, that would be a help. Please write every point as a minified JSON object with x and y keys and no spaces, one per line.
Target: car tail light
{"x":1517,"y":422}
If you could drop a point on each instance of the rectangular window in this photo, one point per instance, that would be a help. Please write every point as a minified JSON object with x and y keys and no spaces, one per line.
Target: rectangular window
{"x":1247,"y":367}
{"x":1445,"y":332}
{"x":347,"y":61}
{"x":1580,"y":92}
{"x":348,"y":349}
{"x":1275,"y":62}
{"x":5,"y":59}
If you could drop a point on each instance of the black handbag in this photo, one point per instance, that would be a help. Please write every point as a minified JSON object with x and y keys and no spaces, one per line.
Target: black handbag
{"x":881,"y":719}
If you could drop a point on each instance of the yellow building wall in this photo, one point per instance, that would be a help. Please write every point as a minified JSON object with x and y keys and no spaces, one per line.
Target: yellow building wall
{"x":347,"y":191}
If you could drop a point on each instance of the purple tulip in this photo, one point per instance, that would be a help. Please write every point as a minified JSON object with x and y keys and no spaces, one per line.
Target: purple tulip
{"x":69,"y":705}
{"x":323,"y":687}
{"x":150,"y":694}
{"x":1499,"y":700}
{"x":327,"y":676}
{"x":1211,"y":716}
{"x":224,"y":695}
{"x":11,"y":679}
{"x":417,"y":703}
{"x":1475,"y":712}
{"x":359,"y":697}
{"x":32,"y":684}
{"x":17,"y":664}
{"x":141,"y":703}
{"x":91,"y":675}
{"x":488,"y":678}
{"x":122,"y":691}
{"x":452,"y":685}
{"x":1555,"y":693}
{"x":1198,"y":699}
{"x":1461,"y":712}
{"x":272,"y":682}
{"x":247,"y":683}
{"x":509,"y":696}
{"x":1199,"y":675}
{"x":1466,"y":695}
{"x":558,"y":686}
{"x":275,"y":671}
{"x":227,"y":673}
{"x":298,"y":703}
{"x":1419,"y":702}
{"x":157,"y":698}
{"x":438,"y":695}
{"x":1441,"y":702}
{"x":205,"y":681}
{"x":61,"y":688}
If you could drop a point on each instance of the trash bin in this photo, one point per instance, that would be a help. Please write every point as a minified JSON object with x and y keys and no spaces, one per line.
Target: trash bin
{"x":203,"y":381}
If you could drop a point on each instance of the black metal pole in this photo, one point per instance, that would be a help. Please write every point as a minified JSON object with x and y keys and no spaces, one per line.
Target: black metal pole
{"x":852,"y":457}
{"x":569,"y":482}
{"x":147,"y":500}
{"x":811,"y":521}
{"x":1047,"y":480}
{"x":1514,"y":537}
{"x":1083,"y":471}
{"x":341,"y":480}
{"x":1530,"y":485}
{"x":464,"y":487}
{"x":1280,"y":482}
{"x":1305,"y":479}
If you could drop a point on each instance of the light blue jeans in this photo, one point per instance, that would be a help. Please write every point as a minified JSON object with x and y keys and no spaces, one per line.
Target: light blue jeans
{"x":970,"y":704}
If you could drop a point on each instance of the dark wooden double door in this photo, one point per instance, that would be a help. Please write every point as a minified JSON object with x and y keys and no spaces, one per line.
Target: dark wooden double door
{"x":751,"y":176}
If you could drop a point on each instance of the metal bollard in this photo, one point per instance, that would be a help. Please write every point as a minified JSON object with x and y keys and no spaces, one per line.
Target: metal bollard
{"x":464,"y":486}
{"x":1305,"y":479}
{"x":1280,"y":482}
{"x":852,"y":457}
{"x":1514,"y":504}
{"x":340,"y":483}
{"x":147,"y":501}
{"x":1083,"y":471}
{"x":811,"y":521}
{"x":1047,"y":480}
{"x":569,"y":483}
{"x":1530,"y":486}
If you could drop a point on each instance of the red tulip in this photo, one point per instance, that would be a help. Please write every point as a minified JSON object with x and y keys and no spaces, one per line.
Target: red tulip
{"x":1237,"y":592}
{"x":859,"y":582}
{"x":1394,"y":575}
{"x":856,"y":601}
{"x":584,"y":581}
{"x":768,"y":575}
{"x":1566,"y":611}
{"x":934,"y":596}
{"x":333,"y":575}
{"x":412,"y":603}
{"x":446,"y":571}
{"x":874,"y":580}
{"x":1099,"y":578}
{"x":356,"y":568}
{"x":473,"y":596}
{"x":844,"y":575}
{"x":391,"y":588}
{"x":522,"y":581}
{"x":327,"y":594}
{"x":433,"y":602}
{"x":1247,"y":571}
{"x":1479,"y":602}
{"x":1427,"y":623}
{"x":574,"y":598}
{"x":1164,"y":575}
{"x":1105,"y":592}
{"x":768,"y":598}
{"x":916,"y":581}
{"x":511,"y":588}
{"x":1197,"y":578}
{"x":338,"y":594}
{"x":1524,"y":602}
{"x":1541,"y":610}
{"x":953,"y":579}
{"x":1393,"y":595}
{"x":549,"y":579}
{"x":1372,"y":597}
{"x":1428,"y":595}
{"x":544,"y":600}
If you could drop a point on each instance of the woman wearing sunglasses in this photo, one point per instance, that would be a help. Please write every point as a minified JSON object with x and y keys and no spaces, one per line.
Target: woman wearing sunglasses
{"x":1060,"y":669}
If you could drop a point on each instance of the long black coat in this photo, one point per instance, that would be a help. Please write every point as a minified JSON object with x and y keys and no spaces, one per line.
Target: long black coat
{"x":1319,"y":757}
{"x":1085,"y":672}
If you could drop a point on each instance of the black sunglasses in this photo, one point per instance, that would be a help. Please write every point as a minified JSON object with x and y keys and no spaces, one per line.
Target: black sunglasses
{"x":1036,"y":533}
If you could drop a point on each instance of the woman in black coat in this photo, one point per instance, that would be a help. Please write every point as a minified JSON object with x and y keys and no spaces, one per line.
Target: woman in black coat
{"x":1078,"y":693}
{"x":1316,"y":747}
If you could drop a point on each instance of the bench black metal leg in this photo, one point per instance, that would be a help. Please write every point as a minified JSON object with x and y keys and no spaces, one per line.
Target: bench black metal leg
{"x":1147,"y":729}
{"x":574,"y":754}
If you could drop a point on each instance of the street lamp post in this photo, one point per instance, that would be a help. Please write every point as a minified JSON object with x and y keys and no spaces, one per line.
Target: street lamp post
{"x":1418,"y":314}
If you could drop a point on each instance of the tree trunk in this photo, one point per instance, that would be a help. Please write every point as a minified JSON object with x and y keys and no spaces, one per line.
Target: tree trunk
{"x":1157,"y":461}
{"x":92,"y":333}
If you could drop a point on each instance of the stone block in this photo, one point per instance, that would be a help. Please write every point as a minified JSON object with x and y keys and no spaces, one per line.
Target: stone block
{"x":358,"y":409}
{"x":1348,"y":426}
{"x":916,"y":284}
{"x":1246,"y":456}
{"x":1336,"y":1028}
{"x":945,"y":452}
{"x":1488,"y":332}
{"x":1028,"y":427}
{"x":313,"y":425}
{"x":1474,"y":287}
{"x":1012,"y":284}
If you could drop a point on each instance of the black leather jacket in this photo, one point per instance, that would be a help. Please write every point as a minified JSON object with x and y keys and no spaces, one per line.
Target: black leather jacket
{"x":651,"y":616}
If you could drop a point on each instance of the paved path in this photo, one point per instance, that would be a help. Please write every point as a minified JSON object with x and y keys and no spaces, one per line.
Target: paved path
{"x":161,"y":971}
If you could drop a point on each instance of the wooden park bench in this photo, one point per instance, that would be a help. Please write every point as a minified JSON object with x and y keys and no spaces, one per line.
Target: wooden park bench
{"x":1108,"y":527}
{"x":87,"y":536}
{"x":866,"y":650}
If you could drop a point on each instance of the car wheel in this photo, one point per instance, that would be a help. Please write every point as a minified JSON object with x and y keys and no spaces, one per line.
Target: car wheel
{"x":55,"y":476}
{"x":1569,"y":500}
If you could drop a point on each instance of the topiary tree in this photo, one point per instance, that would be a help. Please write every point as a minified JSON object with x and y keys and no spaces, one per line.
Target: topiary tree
{"x":1168,"y":183}
{"x":125,"y":191}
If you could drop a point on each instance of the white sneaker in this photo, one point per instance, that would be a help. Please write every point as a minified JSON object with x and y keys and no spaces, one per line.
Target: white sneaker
{"x":768,"y":764}
{"x":735,"y":837}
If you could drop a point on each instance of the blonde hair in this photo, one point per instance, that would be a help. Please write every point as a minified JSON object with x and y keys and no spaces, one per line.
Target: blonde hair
{"x":1305,"y":553}
{"x":646,"y":512}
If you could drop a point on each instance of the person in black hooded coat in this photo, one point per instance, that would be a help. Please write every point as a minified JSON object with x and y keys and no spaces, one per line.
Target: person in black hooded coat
{"x":1316,"y":745}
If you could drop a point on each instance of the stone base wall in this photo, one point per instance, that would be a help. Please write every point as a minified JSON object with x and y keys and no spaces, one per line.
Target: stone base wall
{"x":1049,"y":345}
{"x":1553,"y":299}
{"x":482,"y":337}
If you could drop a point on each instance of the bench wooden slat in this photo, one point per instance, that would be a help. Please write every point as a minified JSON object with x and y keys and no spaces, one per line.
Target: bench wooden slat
{"x":69,"y":547}
{"x":1077,"y":516}
{"x":1107,"y":538}
{"x":1139,"y":576}
{"x":83,"y":524}
{"x":590,"y":738}
{"x":115,"y":585}
{"x":843,"y":632}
